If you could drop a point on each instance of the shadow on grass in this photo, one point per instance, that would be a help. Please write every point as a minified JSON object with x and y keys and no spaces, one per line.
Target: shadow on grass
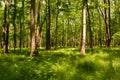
{"x":113,"y":52}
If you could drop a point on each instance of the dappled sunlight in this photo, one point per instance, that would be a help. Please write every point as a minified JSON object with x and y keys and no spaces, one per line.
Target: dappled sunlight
{"x":66,"y":51}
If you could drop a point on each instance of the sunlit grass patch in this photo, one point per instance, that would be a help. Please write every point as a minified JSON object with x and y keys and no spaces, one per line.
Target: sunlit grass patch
{"x":116,"y":64}
{"x":66,"y":51}
{"x":12,"y":57}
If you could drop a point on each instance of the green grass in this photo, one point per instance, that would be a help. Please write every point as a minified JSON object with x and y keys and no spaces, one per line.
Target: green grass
{"x":61,"y":64}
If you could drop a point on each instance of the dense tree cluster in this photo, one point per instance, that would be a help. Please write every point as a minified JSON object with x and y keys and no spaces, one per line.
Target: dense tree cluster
{"x":59,"y":23}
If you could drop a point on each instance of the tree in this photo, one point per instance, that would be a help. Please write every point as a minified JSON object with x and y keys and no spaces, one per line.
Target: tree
{"x":21,"y":24}
{"x":32,"y":28}
{"x":14,"y":23}
{"x":5,"y":28}
{"x":56,"y":31}
{"x":62,"y":25}
{"x":48,"y":24}
{"x":38,"y":26}
{"x":107,"y":23}
{"x":83,"y":38}
{"x":90,"y":30}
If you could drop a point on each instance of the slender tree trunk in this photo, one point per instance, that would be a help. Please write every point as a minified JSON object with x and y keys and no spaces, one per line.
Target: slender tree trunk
{"x":63,"y":36}
{"x":20,"y":45}
{"x":66,"y":34}
{"x":91,"y":34}
{"x":32,"y":28}
{"x":56,"y":31}
{"x":5,"y":29}
{"x":14,"y":24}
{"x":83,"y":38}
{"x":38,"y":27}
{"x":68,"y":31}
{"x":21,"y":25}
{"x":99,"y":32}
{"x":48,"y":27}
{"x":107,"y":24}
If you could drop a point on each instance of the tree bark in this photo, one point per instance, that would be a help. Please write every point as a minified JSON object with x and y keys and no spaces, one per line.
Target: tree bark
{"x":38,"y":27}
{"x":48,"y":46}
{"x":56,"y":31}
{"x":5,"y":29}
{"x":107,"y":23}
{"x":21,"y":25}
{"x":83,"y":38}
{"x":14,"y":24}
{"x":32,"y":28}
{"x":91,"y":34}
{"x":20,"y":45}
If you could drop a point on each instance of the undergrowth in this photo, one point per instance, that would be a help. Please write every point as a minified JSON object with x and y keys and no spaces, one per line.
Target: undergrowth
{"x":61,"y":64}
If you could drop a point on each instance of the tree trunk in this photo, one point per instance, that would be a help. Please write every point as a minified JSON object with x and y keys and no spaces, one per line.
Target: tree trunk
{"x":5,"y":29}
{"x":91,"y":34}
{"x":83,"y":38}
{"x":32,"y":28}
{"x":99,"y":32}
{"x":38,"y":27}
{"x":63,"y":36}
{"x":14,"y":24}
{"x":20,"y":34}
{"x":48,"y":27}
{"x":56,"y":31}
{"x":21,"y":25}
{"x":107,"y":23}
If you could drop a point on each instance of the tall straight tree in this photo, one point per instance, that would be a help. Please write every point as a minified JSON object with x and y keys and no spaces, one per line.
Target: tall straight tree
{"x":5,"y":28}
{"x":20,"y":44}
{"x":14,"y":23}
{"x":38,"y":27}
{"x":107,"y":23}
{"x":90,"y":30}
{"x":83,"y":38}
{"x":48,"y":26}
{"x":32,"y":28}
{"x":21,"y":24}
{"x":56,"y":31}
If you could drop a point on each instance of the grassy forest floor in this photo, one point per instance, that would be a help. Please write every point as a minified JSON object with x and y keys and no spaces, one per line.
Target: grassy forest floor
{"x":61,"y":64}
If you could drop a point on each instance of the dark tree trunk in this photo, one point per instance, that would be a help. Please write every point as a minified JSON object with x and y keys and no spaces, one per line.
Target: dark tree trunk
{"x":48,"y":46}
{"x":32,"y":28}
{"x":91,"y":34}
{"x":56,"y":31}
{"x":20,"y":45}
{"x":107,"y":24}
{"x":21,"y":25}
{"x":63,"y":36}
{"x":83,"y":35}
{"x":14,"y":24}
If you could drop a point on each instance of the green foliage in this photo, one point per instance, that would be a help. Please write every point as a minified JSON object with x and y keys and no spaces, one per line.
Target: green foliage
{"x":61,"y":64}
